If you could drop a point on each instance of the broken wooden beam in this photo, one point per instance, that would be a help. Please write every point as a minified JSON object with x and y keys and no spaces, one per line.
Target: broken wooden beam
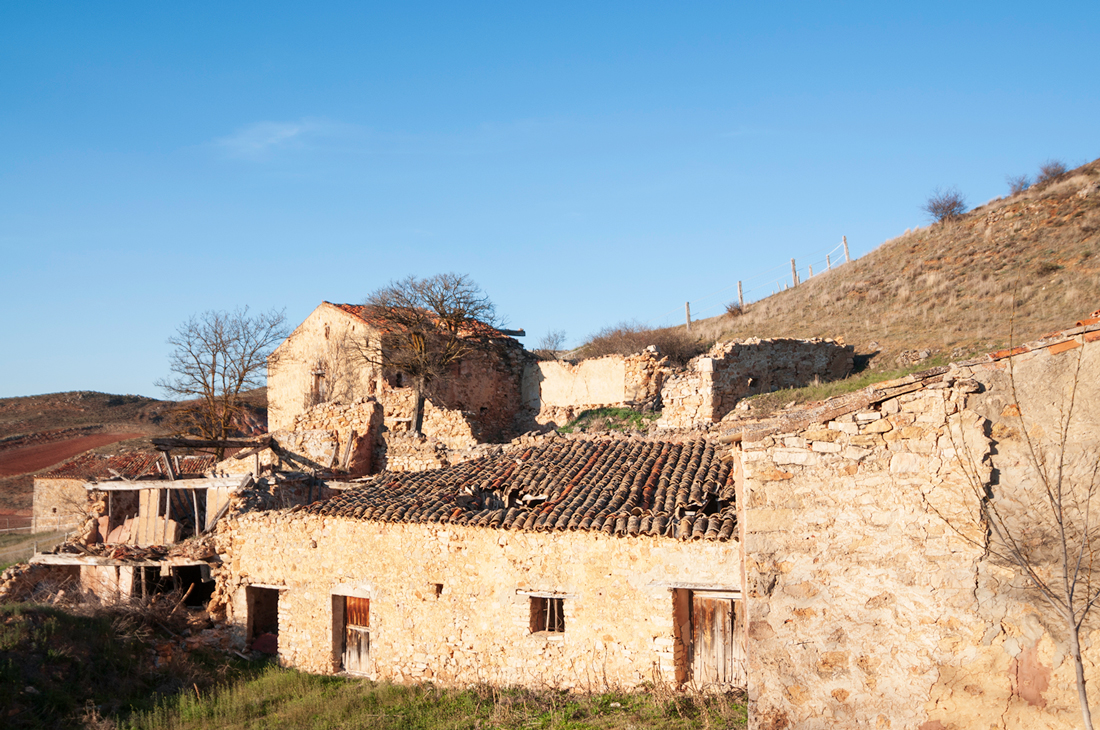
{"x":165,"y":443}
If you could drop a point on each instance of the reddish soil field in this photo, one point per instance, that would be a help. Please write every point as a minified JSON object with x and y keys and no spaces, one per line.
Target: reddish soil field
{"x":34,"y":458}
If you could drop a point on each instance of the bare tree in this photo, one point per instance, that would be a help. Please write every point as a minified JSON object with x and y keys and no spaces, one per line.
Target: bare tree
{"x":945,"y":205}
{"x":1051,"y":170}
{"x":550,"y":344}
{"x":426,"y":325}
{"x":218,"y":356}
{"x":1018,"y":183}
{"x":1041,"y":519}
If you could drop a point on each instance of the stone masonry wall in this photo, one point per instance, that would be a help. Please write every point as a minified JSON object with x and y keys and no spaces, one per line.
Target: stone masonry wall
{"x":58,"y":503}
{"x":872,"y":602}
{"x":451,"y":603}
{"x":714,"y":382}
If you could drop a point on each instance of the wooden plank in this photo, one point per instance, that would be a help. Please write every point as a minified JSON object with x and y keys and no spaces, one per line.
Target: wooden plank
{"x":181,"y":443}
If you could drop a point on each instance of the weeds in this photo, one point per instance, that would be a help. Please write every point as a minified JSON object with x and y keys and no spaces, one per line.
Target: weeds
{"x":768,"y":402}
{"x":610,"y":419}
{"x":287,"y":698}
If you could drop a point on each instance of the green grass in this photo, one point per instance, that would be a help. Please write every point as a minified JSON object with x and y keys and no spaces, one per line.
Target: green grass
{"x":768,"y":402}
{"x":285,"y":698}
{"x":610,"y":419}
{"x":18,"y":547}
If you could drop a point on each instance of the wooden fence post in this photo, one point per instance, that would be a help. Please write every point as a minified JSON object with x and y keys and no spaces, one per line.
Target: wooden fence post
{"x":740,"y":296}
{"x":847,"y":258}
{"x":828,"y":263}
{"x":794,"y":274}
{"x":687,"y":312}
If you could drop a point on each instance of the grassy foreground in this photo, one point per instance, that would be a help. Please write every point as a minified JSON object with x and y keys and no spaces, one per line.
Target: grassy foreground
{"x":283,"y":698}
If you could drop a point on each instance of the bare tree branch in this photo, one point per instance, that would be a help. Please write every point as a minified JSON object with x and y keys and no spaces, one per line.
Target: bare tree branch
{"x":217,"y":357}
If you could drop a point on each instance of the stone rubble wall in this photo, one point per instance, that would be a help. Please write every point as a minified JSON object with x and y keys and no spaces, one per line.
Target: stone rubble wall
{"x":713,"y":383}
{"x":448,"y":603}
{"x":558,"y":391}
{"x":58,"y":503}
{"x":872,"y":602}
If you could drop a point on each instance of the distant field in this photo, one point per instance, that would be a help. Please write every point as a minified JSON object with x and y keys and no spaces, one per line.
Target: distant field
{"x":35,"y":458}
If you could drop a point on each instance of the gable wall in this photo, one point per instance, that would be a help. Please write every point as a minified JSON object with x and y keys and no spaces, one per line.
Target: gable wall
{"x":618,"y":605}
{"x":326,"y":341}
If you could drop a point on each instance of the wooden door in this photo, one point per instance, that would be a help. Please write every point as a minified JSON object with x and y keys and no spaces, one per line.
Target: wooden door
{"x":718,"y":652}
{"x":356,"y":656}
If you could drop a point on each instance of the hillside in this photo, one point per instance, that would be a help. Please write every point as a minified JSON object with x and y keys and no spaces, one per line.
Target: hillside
{"x":1012,"y":269}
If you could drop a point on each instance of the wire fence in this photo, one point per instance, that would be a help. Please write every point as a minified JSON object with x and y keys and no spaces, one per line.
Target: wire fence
{"x":757,"y":286}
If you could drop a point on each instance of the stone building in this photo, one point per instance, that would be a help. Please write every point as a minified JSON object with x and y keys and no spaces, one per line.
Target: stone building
{"x":323,"y":377}
{"x":578,"y":563}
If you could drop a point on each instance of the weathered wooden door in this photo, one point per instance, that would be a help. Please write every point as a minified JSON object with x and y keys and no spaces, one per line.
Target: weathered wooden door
{"x":718,"y":651}
{"x":357,"y":635}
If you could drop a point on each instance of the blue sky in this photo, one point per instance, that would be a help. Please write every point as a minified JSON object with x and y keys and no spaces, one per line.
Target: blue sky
{"x":586,"y":163}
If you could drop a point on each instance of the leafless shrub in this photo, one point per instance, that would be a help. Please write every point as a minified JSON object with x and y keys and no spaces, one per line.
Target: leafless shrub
{"x":1018,"y":183}
{"x":1050,"y":171}
{"x":550,"y":345}
{"x":945,"y":205}
{"x":733,"y":309}
{"x":628,"y":338}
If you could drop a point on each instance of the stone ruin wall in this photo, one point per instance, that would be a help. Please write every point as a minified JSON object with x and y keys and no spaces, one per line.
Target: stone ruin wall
{"x":866,"y":609}
{"x":485,"y":386}
{"x":714,"y":382}
{"x":557,"y":391}
{"x":618,"y":602}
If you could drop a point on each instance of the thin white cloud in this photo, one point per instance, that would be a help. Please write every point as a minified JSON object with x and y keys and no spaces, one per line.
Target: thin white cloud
{"x":263,"y":139}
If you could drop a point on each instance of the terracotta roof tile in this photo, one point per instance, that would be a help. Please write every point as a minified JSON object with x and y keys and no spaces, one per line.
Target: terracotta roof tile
{"x":131,"y":466}
{"x":618,"y":487}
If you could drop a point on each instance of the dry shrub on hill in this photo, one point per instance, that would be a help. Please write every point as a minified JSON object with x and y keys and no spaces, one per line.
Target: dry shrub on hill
{"x":628,"y":338}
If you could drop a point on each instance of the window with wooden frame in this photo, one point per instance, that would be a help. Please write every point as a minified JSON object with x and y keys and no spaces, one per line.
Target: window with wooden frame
{"x":547,"y":614}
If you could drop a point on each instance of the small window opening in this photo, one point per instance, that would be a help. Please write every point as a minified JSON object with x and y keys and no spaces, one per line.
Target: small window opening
{"x":318,"y":391}
{"x":438,"y":589}
{"x":55,"y":510}
{"x":547,"y":614}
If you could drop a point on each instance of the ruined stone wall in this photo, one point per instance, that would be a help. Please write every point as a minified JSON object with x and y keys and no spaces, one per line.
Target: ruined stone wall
{"x":485,"y":385}
{"x":450,"y":603}
{"x":557,"y":391}
{"x":714,"y":382}
{"x":325,"y":343}
{"x":872,"y":602}
{"x":58,"y":503}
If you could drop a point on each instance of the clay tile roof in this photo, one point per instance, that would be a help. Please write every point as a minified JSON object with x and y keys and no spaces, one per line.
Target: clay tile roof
{"x":133,"y":466}
{"x":624,"y":487}
{"x":363,"y":312}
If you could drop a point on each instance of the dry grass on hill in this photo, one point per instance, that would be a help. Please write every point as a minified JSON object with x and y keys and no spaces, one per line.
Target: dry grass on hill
{"x":953,"y":288}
